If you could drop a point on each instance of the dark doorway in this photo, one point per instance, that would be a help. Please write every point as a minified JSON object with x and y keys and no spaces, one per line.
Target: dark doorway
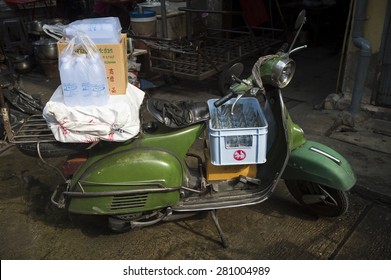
{"x":383,"y":92}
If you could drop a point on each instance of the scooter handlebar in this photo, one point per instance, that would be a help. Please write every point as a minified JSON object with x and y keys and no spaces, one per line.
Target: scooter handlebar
{"x":224,"y":99}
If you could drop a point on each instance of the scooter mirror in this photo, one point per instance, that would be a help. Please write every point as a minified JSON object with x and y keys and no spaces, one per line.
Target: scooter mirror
{"x":225,"y":78}
{"x":298,"y":25}
{"x":300,"y":19}
{"x":235,"y":70}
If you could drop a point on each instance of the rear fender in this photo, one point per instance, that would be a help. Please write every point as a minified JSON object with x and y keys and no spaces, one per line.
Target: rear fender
{"x":320,"y":164}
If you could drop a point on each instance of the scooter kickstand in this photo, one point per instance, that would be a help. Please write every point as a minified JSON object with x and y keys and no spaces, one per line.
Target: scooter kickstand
{"x":221,"y":233}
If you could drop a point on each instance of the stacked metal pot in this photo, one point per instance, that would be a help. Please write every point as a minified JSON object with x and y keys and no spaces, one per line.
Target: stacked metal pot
{"x":45,"y":48}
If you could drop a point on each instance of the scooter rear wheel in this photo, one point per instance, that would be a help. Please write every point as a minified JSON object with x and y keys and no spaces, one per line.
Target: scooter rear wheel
{"x":319,"y":199}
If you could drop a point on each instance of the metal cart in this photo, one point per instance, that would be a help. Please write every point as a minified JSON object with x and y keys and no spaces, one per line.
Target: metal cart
{"x":209,"y":53}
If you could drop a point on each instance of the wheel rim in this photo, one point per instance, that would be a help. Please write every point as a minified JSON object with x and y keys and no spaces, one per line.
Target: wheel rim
{"x":319,"y":199}
{"x":316,"y":194}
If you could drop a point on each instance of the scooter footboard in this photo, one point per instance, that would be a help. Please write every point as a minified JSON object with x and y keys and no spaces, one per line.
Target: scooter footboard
{"x":320,"y":164}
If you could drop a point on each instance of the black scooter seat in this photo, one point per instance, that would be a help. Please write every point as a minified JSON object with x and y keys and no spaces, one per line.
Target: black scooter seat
{"x":177,"y":114}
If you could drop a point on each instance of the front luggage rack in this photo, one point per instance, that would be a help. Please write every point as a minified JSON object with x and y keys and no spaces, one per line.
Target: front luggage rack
{"x":33,"y":130}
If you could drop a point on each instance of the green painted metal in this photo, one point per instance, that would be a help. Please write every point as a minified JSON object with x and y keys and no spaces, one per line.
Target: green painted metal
{"x":133,"y":169}
{"x":135,"y":165}
{"x":176,"y":141}
{"x":266,"y":73}
{"x":306,"y":164}
{"x":295,"y":134}
{"x":267,"y":69}
{"x":156,"y":157}
{"x":244,"y":87}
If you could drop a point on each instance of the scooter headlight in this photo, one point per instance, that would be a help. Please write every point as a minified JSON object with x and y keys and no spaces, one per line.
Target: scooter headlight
{"x":285,"y":72}
{"x":278,"y":71}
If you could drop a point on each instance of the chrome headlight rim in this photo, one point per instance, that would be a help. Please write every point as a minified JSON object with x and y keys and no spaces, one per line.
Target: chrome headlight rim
{"x":283,"y":72}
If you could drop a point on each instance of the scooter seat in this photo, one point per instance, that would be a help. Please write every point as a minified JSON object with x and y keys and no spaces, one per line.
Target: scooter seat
{"x":178,"y":114}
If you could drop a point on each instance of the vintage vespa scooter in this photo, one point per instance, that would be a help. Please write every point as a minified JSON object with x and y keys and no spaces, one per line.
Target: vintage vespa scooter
{"x":249,"y":144}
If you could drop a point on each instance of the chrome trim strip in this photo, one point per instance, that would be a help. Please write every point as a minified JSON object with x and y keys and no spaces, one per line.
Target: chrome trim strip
{"x":323,"y":153}
{"x":135,"y":184}
{"x":113,"y":193}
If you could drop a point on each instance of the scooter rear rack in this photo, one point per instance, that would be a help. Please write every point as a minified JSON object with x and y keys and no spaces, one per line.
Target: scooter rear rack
{"x":33,"y":130}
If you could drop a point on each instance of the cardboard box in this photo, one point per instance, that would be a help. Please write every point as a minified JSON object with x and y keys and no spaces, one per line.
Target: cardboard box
{"x":227,"y":172}
{"x":116,"y":62}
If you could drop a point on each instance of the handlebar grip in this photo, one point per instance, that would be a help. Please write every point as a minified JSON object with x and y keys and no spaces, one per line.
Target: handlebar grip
{"x":224,"y":99}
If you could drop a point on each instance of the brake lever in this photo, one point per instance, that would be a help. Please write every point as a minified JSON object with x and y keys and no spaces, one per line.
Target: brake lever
{"x":236,"y":100}
{"x":297,"y":49}
{"x":239,"y":81}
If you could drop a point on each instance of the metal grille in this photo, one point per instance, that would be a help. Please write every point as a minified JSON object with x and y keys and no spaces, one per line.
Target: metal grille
{"x":122,"y":202}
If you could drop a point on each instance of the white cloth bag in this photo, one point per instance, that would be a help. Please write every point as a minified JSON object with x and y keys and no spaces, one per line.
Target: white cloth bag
{"x":117,"y":121}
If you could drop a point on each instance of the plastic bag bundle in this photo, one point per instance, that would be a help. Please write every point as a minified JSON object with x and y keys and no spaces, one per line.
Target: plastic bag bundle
{"x":83,"y":74}
{"x":117,"y":121}
{"x":101,"y":30}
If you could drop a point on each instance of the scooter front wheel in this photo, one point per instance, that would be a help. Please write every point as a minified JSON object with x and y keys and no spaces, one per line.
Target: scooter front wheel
{"x":319,"y":199}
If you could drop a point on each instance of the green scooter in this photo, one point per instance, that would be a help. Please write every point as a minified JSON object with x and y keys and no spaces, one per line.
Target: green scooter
{"x":247,"y":145}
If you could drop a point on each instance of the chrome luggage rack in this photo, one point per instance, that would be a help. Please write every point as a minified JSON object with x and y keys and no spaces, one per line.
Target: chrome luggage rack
{"x":33,"y":130}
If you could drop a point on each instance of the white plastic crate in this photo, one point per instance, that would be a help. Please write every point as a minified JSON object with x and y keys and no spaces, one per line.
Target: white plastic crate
{"x":240,"y":138}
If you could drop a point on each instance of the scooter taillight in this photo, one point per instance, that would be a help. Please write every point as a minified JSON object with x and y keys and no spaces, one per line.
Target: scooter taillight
{"x":71,"y":165}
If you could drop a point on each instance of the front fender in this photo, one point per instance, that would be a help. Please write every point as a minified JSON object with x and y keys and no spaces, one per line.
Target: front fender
{"x":320,"y":164}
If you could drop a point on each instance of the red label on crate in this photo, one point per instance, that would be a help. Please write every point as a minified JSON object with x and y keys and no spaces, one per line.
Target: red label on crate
{"x":239,"y":155}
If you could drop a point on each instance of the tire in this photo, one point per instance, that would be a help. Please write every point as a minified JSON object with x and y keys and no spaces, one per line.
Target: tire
{"x":51,"y":150}
{"x":334,"y":204}
{"x":118,"y":226}
{"x":123,"y":223}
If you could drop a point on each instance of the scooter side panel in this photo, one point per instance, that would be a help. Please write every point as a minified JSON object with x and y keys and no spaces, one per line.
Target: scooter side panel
{"x":318,"y":163}
{"x":177,"y":141}
{"x":128,"y":181}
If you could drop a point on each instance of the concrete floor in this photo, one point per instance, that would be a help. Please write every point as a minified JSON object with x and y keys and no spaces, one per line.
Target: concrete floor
{"x":32,"y":228}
